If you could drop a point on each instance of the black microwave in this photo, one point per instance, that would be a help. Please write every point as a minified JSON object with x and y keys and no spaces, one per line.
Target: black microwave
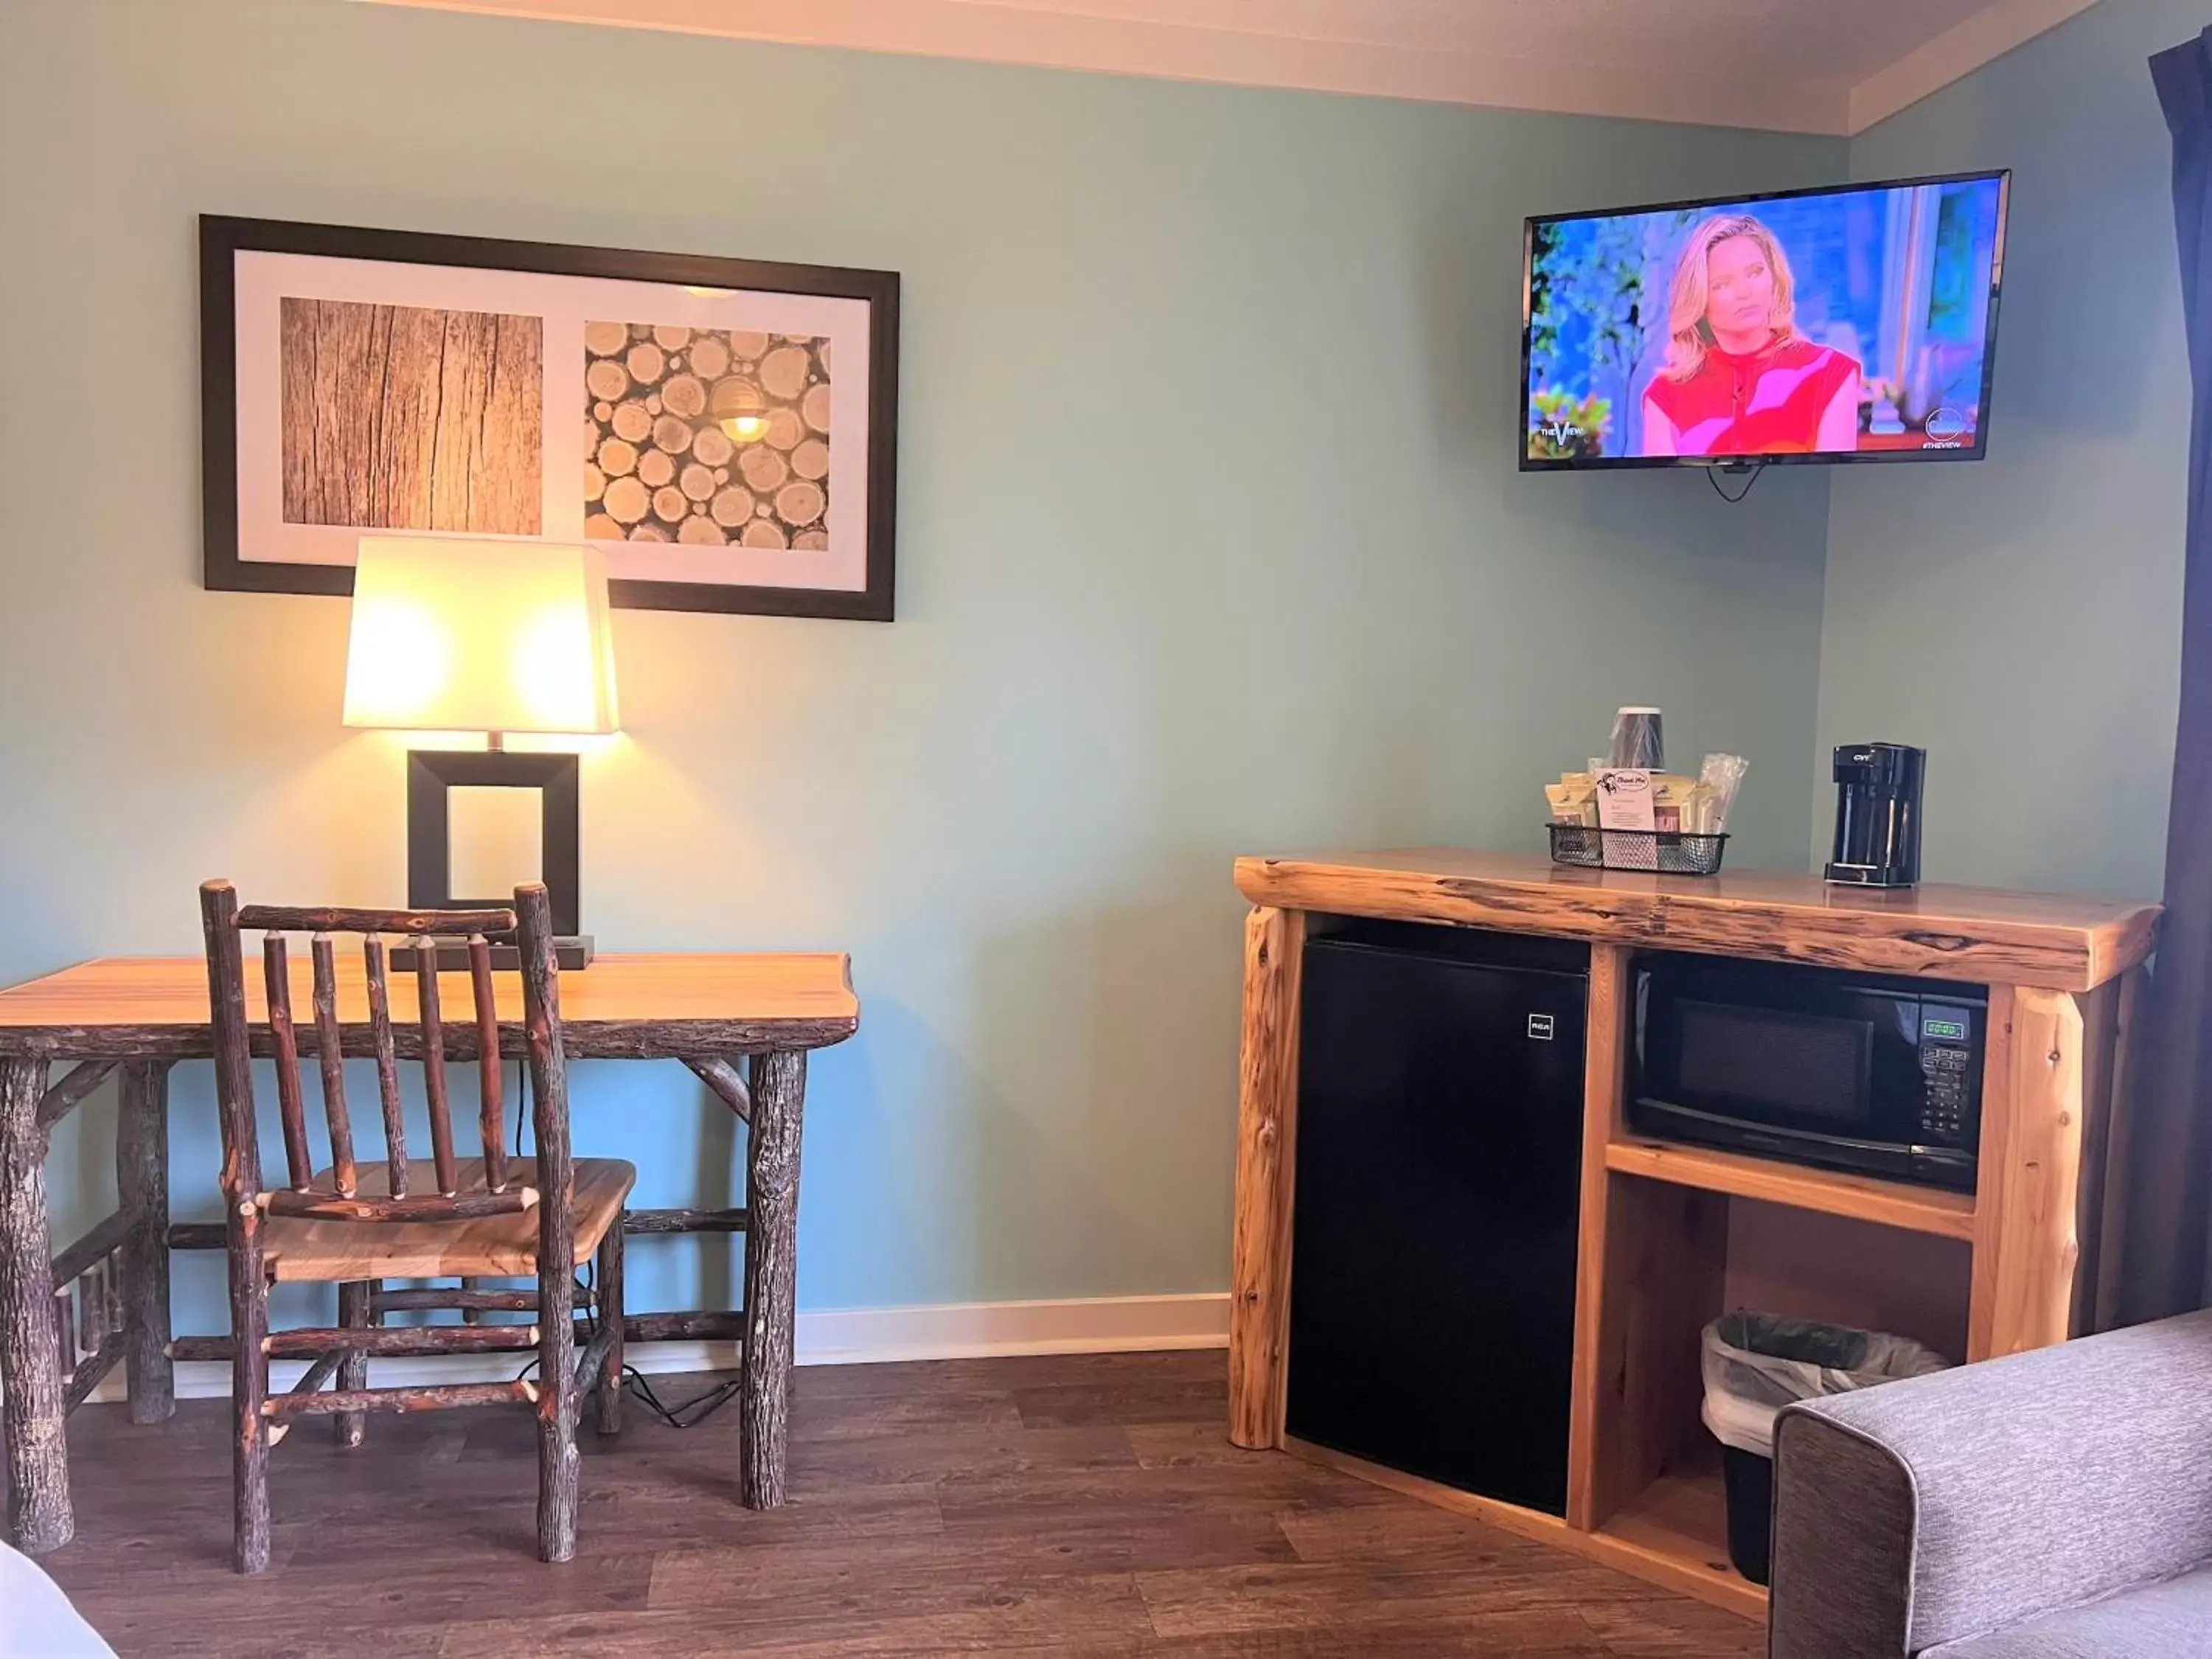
{"x":1848,"y":1071}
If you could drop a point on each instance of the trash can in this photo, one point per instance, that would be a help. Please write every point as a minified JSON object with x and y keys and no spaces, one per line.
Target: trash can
{"x":1755,"y":1364}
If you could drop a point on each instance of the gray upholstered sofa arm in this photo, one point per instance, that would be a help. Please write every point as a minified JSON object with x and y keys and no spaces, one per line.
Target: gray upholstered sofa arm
{"x":1923,"y":1511}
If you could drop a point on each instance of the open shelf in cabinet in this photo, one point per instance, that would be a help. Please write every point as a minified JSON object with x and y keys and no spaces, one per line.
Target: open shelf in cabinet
{"x":1668,"y":1262}
{"x":1676,"y":1530}
{"x":1861,"y":1198}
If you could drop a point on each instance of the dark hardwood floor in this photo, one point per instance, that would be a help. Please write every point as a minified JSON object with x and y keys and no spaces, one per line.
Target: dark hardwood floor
{"x":1085,"y":1505}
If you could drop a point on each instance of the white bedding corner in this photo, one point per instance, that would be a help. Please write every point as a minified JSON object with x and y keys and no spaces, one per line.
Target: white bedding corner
{"x":36,"y":1620}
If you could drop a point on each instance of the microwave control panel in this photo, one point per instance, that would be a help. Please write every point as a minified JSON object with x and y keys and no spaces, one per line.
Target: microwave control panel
{"x":1949,"y":1102}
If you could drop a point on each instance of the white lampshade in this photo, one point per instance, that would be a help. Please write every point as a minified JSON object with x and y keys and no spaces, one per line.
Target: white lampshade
{"x":451,"y":634}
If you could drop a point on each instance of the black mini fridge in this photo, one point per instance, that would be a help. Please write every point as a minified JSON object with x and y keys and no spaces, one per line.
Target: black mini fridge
{"x":1439,"y":1150}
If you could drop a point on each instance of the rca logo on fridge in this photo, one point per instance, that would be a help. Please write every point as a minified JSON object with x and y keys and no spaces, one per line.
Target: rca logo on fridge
{"x":1540,"y":1027}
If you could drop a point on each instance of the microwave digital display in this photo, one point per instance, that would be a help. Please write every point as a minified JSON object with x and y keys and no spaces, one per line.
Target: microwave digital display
{"x":1944,"y":1030}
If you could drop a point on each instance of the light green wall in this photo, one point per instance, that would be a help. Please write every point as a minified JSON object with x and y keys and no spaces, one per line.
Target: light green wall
{"x":1210,"y":542}
{"x":2021,"y":619}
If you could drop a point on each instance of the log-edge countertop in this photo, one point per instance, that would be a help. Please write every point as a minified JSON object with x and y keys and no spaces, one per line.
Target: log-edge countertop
{"x":1981,"y":935}
{"x":622,"y":1007}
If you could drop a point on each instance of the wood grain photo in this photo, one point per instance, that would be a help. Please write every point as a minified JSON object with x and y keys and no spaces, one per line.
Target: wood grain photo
{"x":397,"y":417}
{"x":725,"y":430}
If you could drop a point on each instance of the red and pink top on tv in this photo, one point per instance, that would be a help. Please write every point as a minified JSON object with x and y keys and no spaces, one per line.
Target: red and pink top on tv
{"x":1762,"y":403}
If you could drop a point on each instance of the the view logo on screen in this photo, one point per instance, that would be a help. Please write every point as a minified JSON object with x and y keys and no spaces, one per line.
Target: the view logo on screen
{"x":1851,"y":323}
{"x":1945,"y":428}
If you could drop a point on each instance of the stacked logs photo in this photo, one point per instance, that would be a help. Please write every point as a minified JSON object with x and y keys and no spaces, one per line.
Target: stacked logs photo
{"x":706,"y":437}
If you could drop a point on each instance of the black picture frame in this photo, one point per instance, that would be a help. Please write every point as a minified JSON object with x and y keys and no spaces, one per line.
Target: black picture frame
{"x":222,"y":238}
{"x":557,"y":778}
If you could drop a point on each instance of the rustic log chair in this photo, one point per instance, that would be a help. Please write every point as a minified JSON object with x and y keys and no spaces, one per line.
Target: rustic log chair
{"x":488,"y":1217}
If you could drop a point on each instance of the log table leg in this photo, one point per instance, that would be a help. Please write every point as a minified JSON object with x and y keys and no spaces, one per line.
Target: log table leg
{"x":141,"y":1187}
{"x":39,"y":1516}
{"x":1266,"y":1166}
{"x":2026,"y":1239}
{"x":779,"y":1089}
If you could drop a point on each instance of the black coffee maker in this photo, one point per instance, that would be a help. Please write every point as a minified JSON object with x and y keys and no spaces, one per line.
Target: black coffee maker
{"x":1877,"y":815}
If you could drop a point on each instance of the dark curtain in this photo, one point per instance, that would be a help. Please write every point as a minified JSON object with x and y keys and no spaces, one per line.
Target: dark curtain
{"x":2165,"y":1269}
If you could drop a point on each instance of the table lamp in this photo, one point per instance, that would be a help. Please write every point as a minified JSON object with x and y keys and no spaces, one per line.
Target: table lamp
{"x":458,"y":634}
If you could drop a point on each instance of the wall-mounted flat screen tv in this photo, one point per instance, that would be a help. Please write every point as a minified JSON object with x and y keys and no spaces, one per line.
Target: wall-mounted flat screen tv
{"x":1851,"y":323}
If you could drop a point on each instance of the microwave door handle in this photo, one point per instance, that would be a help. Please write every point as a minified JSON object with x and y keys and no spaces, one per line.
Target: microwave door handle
{"x":1809,"y":1137}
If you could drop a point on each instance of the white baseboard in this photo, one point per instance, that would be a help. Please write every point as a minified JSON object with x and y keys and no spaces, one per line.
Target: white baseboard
{"x":835,"y":1336}
{"x":962,"y":1330}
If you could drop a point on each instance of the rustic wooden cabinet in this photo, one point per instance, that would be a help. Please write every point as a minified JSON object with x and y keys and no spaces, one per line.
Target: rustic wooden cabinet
{"x":1643,"y":1489}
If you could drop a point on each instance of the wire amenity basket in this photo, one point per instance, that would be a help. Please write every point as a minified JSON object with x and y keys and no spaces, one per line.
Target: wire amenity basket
{"x":1669,"y":852}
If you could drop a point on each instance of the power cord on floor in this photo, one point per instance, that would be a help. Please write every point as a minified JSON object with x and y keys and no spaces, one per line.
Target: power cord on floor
{"x":685,"y":1414}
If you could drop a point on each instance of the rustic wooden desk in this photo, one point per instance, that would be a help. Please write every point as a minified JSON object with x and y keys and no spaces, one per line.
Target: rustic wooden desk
{"x":2062,"y":976}
{"x":106,"y":1297}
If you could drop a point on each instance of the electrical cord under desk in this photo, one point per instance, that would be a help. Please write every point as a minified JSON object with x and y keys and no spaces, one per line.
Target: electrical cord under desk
{"x":684,"y":1414}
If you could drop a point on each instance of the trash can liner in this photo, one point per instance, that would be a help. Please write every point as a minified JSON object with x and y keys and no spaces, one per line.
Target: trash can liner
{"x":1755,"y":1364}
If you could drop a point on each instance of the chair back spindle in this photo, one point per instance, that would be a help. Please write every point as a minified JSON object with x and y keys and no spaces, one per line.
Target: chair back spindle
{"x":490,"y":1074}
{"x":331,"y":1056}
{"x":284,"y":1041}
{"x":387,"y":1064}
{"x":434,"y":1065}
{"x":339,"y":1197}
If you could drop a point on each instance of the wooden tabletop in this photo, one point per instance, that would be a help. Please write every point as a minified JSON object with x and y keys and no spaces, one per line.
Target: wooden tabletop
{"x":620,"y":1008}
{"x":1978,"y":933}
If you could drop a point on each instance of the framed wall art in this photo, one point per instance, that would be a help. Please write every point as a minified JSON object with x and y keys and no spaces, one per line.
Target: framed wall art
{"x":725,"y":430}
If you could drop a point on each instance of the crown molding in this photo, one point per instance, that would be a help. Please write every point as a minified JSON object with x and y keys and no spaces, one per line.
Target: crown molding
{"x":1377,"y":48}
{"x":1203,"y":45}
{"x":1955,"y":54}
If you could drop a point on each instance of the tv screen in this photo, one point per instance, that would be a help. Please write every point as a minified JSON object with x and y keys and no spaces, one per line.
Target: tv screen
{"x":1851,"y":324}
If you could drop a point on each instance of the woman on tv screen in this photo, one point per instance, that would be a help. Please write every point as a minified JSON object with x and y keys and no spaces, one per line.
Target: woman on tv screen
{"x":1739,"y":380}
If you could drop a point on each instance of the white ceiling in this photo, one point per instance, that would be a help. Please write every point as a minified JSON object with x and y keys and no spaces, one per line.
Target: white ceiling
{"x":1832,"y":66}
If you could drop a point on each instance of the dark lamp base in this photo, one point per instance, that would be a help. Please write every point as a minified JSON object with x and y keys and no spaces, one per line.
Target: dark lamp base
{"x":569,"y":955}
